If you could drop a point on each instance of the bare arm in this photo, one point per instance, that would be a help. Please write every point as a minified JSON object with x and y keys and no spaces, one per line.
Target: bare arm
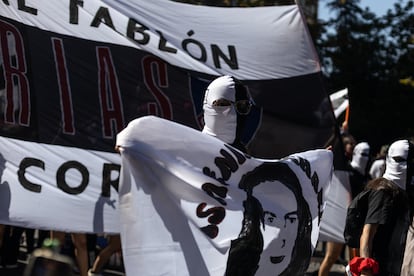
{"x":366,"y":240}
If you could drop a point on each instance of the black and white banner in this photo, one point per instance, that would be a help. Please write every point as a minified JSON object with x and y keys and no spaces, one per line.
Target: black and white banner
{"x":55,"y":187}
{"x":192,"y":205}
{"x":74,"y":73}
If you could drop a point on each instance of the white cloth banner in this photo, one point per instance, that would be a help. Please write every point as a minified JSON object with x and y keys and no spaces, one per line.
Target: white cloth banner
{"x":339,"y":101}
{"x":102,"y":63}
{"x":187,"y":200}
{"x":338,"y":199}
{"x":194,"y":37}
{"x":58,"y":188}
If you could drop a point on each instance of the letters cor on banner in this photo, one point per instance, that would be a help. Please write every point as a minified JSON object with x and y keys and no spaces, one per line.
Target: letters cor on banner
{"x":58,"y":188}
{"x":192,"y":205}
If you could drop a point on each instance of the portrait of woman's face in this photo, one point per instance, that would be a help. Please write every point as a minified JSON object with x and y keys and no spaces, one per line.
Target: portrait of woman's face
{"x":280,"y":225}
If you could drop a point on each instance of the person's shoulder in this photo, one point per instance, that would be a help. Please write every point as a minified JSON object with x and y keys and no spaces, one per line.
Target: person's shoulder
{"x":378,"y":162}
{"x":381,"y":186}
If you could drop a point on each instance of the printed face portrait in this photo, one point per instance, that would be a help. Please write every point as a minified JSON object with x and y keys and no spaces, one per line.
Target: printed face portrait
{"x":280,"y":225}
{"x":279,"y":217}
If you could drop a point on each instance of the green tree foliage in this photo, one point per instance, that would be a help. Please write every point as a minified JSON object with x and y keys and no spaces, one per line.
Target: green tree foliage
{"x":369,"y":55}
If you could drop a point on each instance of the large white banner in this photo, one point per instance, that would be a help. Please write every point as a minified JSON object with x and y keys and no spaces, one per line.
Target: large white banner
{"x":192,"y":205}
{"x":74,"y":73}
{"x":211,"y":40}
{"x":60,"y":188}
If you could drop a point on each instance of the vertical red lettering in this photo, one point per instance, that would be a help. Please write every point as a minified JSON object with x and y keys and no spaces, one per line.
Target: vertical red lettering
{"x":17,"y":84}
{"x":109,"y":94}
{"x":152,"y":109}
{"x":155,"y":76}
{"x":64,"y":87}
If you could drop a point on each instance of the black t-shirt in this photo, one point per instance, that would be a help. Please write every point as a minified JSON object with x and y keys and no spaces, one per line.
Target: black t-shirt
{"x":357,"y":181}
{"x":389,"y":242}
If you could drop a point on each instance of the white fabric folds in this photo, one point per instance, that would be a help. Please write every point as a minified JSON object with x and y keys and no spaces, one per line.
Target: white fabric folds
{"x":184,"y":195}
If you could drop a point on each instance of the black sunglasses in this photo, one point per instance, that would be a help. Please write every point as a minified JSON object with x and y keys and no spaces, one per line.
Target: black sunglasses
{"x":242,"y":107}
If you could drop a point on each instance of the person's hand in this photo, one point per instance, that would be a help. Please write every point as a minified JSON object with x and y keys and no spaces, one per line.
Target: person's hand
{"x":329,"y":147}
{"x":345,"y":127}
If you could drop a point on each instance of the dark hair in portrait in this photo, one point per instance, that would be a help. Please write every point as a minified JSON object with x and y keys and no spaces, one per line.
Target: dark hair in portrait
{"x":251,"y":237}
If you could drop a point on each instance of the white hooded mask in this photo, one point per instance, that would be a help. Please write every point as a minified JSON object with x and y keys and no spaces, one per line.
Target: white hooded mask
{"x":396,"y":163}
{"x":360,"y":157}
{"x":220,"y":121}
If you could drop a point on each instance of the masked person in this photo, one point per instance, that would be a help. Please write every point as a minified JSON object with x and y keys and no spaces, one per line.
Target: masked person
{"x":226,"y":106}
{"x":382,"y":241}
{"x":359,"y":175}
{"x":227,"y":103}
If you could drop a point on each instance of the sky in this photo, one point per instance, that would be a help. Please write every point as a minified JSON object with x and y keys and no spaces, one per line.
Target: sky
{"x":377,"y":6}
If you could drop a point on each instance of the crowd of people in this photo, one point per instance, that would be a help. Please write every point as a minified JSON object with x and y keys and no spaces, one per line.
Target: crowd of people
{"x":386,"y":241}
{"x":386,"y":181}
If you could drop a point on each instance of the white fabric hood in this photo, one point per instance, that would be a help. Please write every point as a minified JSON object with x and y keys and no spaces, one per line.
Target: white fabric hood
{"x":396,"y":167}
